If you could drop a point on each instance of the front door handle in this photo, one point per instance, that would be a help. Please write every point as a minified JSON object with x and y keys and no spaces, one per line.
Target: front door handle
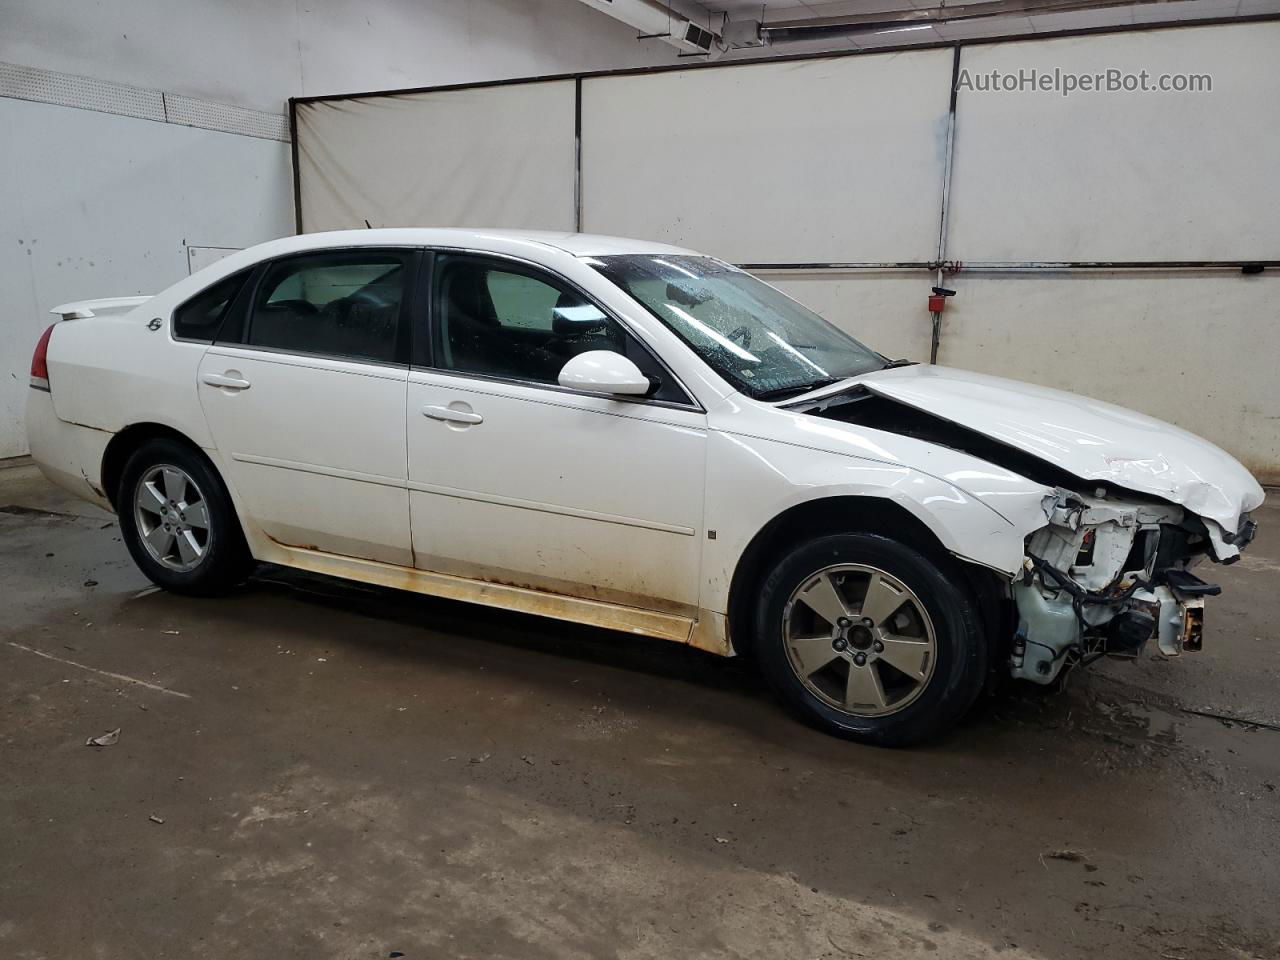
{"x":226,"y":381}
{"x":449,"y":415}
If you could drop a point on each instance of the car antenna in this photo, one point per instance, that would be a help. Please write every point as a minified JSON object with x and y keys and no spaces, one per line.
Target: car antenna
{"x":367,"y":224}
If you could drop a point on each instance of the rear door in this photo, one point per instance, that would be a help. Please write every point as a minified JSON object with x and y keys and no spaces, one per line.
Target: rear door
{"x":304,"y":393}
{"x":515,"y":479}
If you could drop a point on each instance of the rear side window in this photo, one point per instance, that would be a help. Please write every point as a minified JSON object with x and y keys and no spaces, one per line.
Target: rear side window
{"x":344,"y":304}
{"x":201,"y":316}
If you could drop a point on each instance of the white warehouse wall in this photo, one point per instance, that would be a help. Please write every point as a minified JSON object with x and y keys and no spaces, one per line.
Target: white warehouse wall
{"x":258,"y":54}
{"x":100,"y":205}
{"x":97,"y":205}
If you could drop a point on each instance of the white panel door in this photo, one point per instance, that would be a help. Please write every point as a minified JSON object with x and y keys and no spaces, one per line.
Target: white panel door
{"x":308,"y":410}
{"x":315,"y":448}
{"x":574,"y":494}
{"x":514,"y":479}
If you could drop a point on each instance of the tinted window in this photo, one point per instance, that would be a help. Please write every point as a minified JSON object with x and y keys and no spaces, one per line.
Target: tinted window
{"x":200,"y":317}
{"x":500,"y":319}
{"x":339,"y":304}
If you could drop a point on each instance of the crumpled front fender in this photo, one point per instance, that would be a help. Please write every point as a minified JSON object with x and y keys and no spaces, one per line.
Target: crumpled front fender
{"x":985,"y":520}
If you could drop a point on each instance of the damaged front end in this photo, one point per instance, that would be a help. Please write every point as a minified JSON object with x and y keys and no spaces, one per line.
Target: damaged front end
{"x":1107,"y":575}
{"x":1105,"y":571}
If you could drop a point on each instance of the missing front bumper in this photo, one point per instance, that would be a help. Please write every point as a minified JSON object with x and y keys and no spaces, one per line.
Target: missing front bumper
{"x":1049,"y":631}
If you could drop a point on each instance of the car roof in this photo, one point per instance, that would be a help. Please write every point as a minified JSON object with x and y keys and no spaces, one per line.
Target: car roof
{"x":577,"y":244}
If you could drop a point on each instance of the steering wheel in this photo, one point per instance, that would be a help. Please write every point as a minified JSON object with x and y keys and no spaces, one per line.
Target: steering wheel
{"x":742,"y":334}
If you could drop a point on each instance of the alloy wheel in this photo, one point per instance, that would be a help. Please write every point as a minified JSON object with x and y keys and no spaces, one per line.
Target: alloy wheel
{"x":859,"y":639}
{"x":172,"y":517}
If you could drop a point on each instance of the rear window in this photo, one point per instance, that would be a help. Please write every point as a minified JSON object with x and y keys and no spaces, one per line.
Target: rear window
{"x":201,"y":316}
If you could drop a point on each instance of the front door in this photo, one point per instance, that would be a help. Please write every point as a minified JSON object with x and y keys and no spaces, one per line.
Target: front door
{"x":305,"y":398}
{"x":517,"y":480}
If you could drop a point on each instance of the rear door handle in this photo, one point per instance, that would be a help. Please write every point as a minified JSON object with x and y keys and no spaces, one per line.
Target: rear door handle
{"x":222,"y":380}
{"x":449,"y":415}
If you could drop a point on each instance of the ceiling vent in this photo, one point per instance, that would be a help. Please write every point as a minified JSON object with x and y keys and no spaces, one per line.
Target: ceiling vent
{"x":696,"y":36}
{"x":658,"y":20}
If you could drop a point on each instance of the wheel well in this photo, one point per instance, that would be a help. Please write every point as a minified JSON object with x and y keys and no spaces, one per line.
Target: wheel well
{"x":122,"y":446}
{"x":856,"y":515}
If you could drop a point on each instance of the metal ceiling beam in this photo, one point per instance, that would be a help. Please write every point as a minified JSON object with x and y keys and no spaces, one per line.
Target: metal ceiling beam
{"x":812,"y":28}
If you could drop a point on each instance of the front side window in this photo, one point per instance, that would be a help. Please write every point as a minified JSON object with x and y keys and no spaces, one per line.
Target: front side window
{"x":500,"y":319}
{"x":757,"y":338}
{"x":344,"y":304}
{"x":201,"y":316}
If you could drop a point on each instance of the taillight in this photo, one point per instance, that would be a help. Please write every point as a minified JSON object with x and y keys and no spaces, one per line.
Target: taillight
{"x":40,"y":361}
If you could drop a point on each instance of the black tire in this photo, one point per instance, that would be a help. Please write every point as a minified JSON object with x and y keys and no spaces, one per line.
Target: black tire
{"x":225,"y":562}
{"x":959,"y":661}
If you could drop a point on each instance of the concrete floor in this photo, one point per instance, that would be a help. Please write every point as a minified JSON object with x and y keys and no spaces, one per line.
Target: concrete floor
{"x":312,"y":769}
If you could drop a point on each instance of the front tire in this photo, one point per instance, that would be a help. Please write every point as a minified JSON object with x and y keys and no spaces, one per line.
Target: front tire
{"x":869,"y":639}
{"x":178,"y":521}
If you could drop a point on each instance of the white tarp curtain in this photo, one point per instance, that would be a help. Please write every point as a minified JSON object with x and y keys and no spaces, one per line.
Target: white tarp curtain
{"x":1121,"y":175}
{"x":803,"y":161}
{"x":838,"y":160}
{"x":499,"y":156}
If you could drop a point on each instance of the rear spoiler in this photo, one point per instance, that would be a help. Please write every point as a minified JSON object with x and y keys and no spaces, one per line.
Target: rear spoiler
{"x":83,"y":309}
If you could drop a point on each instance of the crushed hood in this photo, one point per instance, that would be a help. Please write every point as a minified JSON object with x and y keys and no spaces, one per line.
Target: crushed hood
{"x":1088,"y":438}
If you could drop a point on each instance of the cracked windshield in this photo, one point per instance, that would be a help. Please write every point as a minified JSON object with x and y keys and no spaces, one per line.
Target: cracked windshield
{"x":760,"y":340}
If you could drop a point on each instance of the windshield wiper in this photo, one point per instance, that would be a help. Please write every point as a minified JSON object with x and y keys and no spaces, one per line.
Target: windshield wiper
{"x":899,"y":363}
{"x":783,"y":392}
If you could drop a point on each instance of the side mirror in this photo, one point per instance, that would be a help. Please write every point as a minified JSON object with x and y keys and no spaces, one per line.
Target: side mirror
{"x":603,"y":371}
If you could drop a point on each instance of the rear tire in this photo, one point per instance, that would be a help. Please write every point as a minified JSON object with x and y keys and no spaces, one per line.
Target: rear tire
{"x":178,"y":521}
{"x":869,"y":639}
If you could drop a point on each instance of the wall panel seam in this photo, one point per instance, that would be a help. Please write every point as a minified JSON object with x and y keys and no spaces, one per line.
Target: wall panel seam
{"x":35,"y":84}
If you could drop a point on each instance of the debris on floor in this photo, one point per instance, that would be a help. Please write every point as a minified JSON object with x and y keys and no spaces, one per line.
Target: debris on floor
{"x":1070,"y":856}
{"x":105,"y":740}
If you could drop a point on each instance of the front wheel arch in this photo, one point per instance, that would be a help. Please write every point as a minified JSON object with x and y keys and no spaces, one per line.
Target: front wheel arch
{"x":857,"y":514}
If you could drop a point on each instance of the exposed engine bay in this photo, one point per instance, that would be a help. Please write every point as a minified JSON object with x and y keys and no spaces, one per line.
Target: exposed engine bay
{"x":1111,"y":570}
{"x":1107,"y":575}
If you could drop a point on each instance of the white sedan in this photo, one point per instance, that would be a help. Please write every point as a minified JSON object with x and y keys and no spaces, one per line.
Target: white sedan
{"x":639,"y":437}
